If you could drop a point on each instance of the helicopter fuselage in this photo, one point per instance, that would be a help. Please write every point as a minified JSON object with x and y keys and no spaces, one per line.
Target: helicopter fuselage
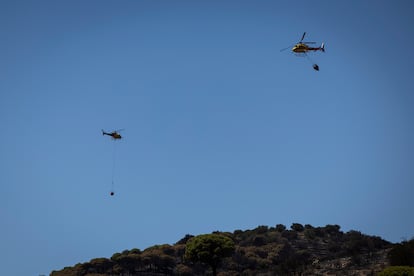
{"x":300,"y":48}
{"x":114,"y":135}
{"x":303,"y":48}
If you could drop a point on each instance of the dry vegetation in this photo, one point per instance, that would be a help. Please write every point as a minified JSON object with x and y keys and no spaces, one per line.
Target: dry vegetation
{"x":300,"y":250}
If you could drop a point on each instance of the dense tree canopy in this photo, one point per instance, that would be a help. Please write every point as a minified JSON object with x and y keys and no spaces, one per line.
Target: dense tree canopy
{"x":402,"y":254}
{"x":264,"y":250}
{"x":209,"y":249}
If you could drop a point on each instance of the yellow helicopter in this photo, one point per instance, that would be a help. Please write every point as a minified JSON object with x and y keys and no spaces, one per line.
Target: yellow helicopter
{"x":302,"y":47}
{"x":114,"y":134}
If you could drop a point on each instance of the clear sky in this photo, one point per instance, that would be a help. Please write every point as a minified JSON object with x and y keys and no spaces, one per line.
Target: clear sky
{"x":222,"y":130}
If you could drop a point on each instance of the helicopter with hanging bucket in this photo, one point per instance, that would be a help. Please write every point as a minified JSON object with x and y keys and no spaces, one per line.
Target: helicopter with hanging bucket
{"x":301,"y":48}
{"x":114,"y":134}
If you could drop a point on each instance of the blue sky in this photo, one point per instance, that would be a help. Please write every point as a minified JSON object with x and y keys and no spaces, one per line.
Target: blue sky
{"x":222,"y":130}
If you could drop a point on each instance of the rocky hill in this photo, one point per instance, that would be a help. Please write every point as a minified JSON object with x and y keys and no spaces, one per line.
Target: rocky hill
{"x":300,"y":250}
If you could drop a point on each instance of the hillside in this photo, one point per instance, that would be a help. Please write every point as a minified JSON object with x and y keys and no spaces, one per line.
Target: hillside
{"x":300,"y":250}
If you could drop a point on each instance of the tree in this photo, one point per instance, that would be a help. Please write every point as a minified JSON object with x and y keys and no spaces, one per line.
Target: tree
{"x":185,"y":239}
{"x":209,"y":249}
{"x":402,"y":254}
{"x":129,"y":262}
{"x":297,"y":227}
{"x":332,"y":229}
{"x":100,"y":265}
{"x":160,"y":258}
{"x":280,"y":227}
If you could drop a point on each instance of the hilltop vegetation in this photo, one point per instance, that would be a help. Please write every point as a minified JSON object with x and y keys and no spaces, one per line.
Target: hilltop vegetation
{"x":300,"y":250}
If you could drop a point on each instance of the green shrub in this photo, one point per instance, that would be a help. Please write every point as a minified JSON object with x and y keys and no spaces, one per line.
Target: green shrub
{"x":397,"y":271}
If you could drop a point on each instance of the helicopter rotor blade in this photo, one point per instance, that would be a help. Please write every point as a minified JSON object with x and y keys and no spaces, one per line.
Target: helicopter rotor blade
{"x":284,"y":49}
{"x":303,"y":36}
